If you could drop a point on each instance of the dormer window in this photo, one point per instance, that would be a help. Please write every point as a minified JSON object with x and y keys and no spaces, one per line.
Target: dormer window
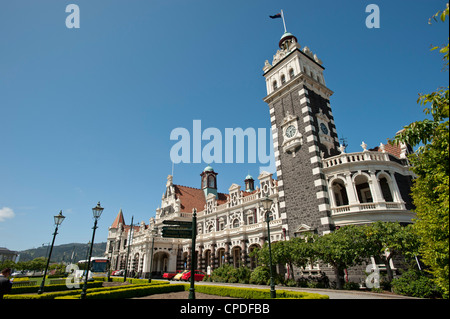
{"x":283,"y":79}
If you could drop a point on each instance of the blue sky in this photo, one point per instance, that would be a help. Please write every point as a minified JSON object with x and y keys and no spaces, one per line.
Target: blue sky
{"x":86,"y":114}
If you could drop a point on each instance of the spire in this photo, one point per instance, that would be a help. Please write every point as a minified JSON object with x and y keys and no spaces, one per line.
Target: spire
{"x":119,"y":220}
{"x":209,"y":181}
{"x":249,"y":183}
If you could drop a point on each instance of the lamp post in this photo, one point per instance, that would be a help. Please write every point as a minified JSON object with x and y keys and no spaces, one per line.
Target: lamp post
{"x":128,"y":250}
{"x":154,"y":231}
{"x":96,"y":212}
{"x":267,"y":203}
{"x":193,"y":257}
{"x":58,"y":220}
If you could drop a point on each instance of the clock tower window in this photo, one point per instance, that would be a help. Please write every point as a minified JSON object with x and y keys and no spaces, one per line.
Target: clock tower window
{"x":291,"y":73}
{"x":275,"y":86}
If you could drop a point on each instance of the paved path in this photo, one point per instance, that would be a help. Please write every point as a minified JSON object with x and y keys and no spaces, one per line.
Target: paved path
{"x":333,"y":294}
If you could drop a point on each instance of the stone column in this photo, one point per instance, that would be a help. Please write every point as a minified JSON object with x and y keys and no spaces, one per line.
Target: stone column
{"x":213,"y":257}
{"x":227,"y":253}
{"x":244,"y":252}
{"x":375,"y":188}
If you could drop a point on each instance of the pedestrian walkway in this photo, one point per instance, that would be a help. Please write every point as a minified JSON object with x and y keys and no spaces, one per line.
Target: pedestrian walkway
{"x":331,"y":293}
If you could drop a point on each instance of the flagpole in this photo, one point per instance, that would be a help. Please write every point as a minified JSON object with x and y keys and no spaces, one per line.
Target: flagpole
{"x":282,"y":15}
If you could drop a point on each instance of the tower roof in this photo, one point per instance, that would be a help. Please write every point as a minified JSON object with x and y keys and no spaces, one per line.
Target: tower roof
{"x":208,"y":169}
{"x":119,"y":219}
{"x":286,"y":36}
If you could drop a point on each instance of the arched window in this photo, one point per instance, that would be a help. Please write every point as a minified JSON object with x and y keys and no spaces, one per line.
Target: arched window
{"x":363,"y":189}
{"x":275,"y":85}
{"x":211,"y":182}
{"x":291,"y":73}
{"x":339,"y":193}
{"x":236,"y":223}
{"x":283,"y":79}
{"x":385,"y":189}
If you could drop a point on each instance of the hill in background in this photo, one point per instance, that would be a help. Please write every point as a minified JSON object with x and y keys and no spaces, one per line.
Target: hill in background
{"x":64,"y":253}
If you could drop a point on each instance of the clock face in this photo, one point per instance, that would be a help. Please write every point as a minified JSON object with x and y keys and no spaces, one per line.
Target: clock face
{"x":324,"y":128}
{"x":290,"y":131}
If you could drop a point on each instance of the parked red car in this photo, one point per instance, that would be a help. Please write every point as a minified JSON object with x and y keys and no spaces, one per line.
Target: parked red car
{"x":170,"y":275}
{"x":198,"y":276}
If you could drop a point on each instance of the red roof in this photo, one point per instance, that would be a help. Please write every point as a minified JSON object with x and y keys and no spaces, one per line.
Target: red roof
{"x":191,"y":198}
{"x":391,"y":149}
{"x":119,"y":219}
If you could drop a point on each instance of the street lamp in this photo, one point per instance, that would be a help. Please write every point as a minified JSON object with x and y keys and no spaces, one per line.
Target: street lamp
{"x":96,"y":212}
{"x":154,"y":233}
{"x":58,"y":221}
{"x":267,"y":204}
{"x":128,"y":250}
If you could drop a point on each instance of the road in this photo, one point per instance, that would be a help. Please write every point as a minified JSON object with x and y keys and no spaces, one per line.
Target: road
{"x":333,"y":294}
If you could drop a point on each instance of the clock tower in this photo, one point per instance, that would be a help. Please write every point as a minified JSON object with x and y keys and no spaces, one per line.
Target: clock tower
{"x":303,"y":134}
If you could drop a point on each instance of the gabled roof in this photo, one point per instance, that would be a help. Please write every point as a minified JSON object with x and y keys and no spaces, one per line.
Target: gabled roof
{"x":391,"y":149}
{"x":119,"y":219}
{"x":190,"y":198}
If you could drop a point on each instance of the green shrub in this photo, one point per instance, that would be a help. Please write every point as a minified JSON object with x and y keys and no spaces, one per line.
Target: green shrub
{"x":252,"y":293}
{"x":351,"y":286}
{"x":416,"y":284}
{"x":223,"y":273}
{"x":291,"y":283}
{"x":50,"y":288}
{"x":134,"y":292}
{"x":260,"y":275}
{"x":99,"y":292}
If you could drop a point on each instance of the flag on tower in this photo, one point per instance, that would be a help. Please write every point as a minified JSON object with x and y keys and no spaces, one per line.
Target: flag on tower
{"x":278,"y":15}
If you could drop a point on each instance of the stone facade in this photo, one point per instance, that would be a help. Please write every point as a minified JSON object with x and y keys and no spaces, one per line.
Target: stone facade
{"x":319,"y":187}
{"x":229,"y":227}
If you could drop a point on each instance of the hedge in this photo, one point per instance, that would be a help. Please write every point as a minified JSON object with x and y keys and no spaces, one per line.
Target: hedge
{"x":132,"y":292}
{"x":254,"y":293}
{"x":130,"y":280}
{"x":50,"y":288}
{"x":75,"y":293}
{"x":140,"y":290}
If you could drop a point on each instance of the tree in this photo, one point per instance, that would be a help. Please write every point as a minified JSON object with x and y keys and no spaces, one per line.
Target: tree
{"x":303,"y":252}
{"x":341,"y":249}
{"x":430,"y":162}
{"x":388,"y":239}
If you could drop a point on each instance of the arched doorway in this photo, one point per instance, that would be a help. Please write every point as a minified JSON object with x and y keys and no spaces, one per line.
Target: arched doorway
{"x":220,"y":257}
{"x":160,"y":262}
{"x":184,"y":258}
{"x":236,"y":255}
{"x":253,"y":260}
{"x":207,"y":259}
{"x":135,"y":265}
